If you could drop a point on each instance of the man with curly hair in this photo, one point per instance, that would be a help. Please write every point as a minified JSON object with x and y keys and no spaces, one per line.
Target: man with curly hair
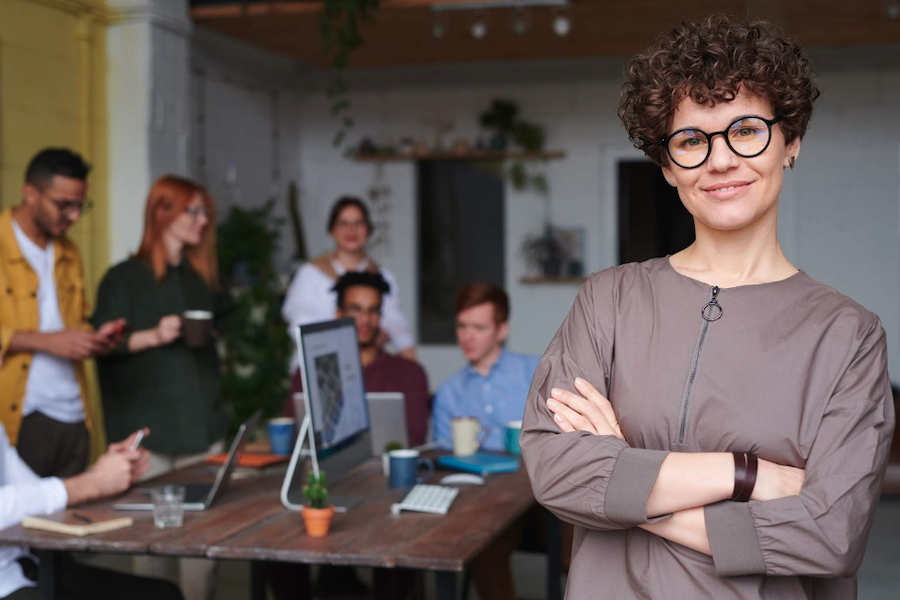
{"x":715,"y":423}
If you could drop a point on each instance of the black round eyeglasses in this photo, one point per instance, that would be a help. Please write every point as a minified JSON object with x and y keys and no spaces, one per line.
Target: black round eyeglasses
{"x":746,"y":136}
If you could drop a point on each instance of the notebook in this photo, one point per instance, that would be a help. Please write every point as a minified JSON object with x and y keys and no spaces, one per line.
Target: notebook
{"x":255,"y":460}
{"x":481,"y":463}
{"x":66,"y":523}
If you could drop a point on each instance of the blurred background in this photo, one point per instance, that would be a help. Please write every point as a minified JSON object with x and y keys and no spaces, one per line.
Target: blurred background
{"x":483,"y":129}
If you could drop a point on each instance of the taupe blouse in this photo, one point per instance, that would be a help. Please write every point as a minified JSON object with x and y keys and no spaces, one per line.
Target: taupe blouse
{"x":791,"y":370}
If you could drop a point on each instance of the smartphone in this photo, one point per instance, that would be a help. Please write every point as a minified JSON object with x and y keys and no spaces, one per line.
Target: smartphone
{"x":123,"y":329}
{"x":137,"y":441}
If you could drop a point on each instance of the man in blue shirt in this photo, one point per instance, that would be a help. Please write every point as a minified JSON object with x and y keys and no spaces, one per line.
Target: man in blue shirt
{"x":492,"y":388}
{"x":494,"y":385}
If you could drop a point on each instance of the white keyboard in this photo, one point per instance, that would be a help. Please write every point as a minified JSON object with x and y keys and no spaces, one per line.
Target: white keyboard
{"x":435,"y":499}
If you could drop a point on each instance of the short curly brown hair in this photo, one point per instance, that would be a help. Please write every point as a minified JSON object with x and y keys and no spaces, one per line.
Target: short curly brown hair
{"x":710,"y":61}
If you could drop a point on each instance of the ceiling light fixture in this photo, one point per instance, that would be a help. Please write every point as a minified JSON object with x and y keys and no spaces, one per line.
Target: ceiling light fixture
{"x":479,"y":27}
{"x":562,"y":22}
{"x":438,"y":24}
{"x":521,"y":21}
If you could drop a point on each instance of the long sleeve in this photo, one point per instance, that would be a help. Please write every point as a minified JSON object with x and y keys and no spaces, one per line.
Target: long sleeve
{"x":113,"y":303}
{"x":416,"y":394}
{"x":441,"y":414}
{"x":598,"y":482}
{"x":823,"y":531}
{"x":22,"y":493}
{"x":309,"y":298}
{"x":393,"y":321}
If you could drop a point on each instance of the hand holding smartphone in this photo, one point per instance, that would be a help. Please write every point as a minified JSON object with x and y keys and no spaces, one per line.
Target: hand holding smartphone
{"x":137,"y":441}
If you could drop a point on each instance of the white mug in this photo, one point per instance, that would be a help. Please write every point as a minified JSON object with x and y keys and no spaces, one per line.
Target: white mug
{"x":468,"y":435}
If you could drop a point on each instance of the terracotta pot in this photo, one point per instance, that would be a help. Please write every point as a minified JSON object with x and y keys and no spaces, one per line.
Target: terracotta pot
{"x":318,"y":520}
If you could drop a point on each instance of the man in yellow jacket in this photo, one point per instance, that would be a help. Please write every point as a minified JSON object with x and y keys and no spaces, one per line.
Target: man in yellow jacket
{"x":44,"y":333}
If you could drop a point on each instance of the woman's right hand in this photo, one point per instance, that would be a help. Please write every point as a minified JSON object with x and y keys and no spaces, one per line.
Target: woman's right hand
{"x":777,"y":481}
{"x":168,"y":330}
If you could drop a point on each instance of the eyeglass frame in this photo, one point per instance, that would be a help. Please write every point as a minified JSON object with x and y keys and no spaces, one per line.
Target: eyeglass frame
{"x":664,"y":142}
{"x":195,"y":211}
{"x":64,"y":206}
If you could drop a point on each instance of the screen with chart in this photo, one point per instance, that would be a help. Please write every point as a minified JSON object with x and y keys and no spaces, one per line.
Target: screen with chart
{"x":337,"y":394}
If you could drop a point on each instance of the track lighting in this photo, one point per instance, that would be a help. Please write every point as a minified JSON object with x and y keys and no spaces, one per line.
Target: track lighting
{"x":479,"y":26}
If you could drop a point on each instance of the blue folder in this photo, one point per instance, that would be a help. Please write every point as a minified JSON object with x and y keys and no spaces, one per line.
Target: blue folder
{"x":481,"y":463}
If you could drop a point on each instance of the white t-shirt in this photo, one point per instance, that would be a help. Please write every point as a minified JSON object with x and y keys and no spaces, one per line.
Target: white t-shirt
{"x":52,"y":387}
{"x":22,"y":493}
{"x":309,"y":299}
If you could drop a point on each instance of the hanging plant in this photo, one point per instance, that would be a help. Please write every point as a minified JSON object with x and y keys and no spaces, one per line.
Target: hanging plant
{"x":339,"y":24}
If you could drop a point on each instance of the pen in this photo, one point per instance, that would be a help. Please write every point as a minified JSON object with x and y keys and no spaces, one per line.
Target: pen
{"x":81,"y":517}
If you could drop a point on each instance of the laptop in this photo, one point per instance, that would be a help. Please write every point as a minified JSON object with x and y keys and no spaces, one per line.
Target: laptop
{"x":200,"y":496}
{"x":387,"y":412}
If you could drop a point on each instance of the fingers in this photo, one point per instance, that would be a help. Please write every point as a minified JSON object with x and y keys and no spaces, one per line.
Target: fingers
{"x":600,"y":401}
{"x":578,"y":421}
{"x":586,"y":409}
{"x":562,"y":423}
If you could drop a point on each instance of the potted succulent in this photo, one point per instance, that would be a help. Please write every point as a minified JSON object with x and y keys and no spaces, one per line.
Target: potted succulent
{"x":317,"y":513}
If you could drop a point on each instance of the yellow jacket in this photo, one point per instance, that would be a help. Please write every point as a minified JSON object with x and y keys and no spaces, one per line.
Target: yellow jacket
{"x":19,"y":312}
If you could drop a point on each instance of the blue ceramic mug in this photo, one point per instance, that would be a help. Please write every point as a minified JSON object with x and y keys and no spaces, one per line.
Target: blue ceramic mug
{"x":513,"y":430}
{"x":281,"y":435}
{"x":404,"y":468}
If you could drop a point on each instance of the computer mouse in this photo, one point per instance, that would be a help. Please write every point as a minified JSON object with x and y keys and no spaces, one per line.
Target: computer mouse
{"x":462,"y":479}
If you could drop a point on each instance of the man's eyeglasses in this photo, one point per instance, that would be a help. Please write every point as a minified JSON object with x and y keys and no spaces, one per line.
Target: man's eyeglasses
{"x":746,"y":136}
{"x":82,"y":207}
{"x":196,"y":211}
{"x":355,"y":310}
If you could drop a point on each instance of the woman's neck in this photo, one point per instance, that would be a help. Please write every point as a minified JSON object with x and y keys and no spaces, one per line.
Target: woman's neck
{"x":747,"y":256}
{"x":174,"y":250}
{"x":350,"y":260}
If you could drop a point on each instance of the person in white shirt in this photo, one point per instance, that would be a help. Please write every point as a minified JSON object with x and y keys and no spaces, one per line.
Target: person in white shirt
{"x":310,"y":297}
{"x":22,"y":493}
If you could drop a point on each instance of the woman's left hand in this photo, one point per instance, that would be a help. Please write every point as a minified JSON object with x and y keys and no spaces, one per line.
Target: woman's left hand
{"x":590,"y":412}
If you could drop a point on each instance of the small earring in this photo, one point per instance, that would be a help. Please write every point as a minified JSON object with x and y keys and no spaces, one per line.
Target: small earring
{"x":791,"y":162}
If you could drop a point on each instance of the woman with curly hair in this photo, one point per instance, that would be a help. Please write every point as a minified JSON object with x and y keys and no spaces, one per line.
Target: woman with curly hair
{"x":716,"y":422}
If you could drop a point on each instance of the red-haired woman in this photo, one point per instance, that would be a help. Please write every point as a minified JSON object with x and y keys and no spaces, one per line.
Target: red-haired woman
{"x":155,"y":379}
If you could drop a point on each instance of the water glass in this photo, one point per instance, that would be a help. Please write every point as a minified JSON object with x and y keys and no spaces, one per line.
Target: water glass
{"x":168,"y":506}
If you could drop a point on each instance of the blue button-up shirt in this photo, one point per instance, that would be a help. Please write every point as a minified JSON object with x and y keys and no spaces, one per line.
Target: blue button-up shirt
{"x":494,"y":400}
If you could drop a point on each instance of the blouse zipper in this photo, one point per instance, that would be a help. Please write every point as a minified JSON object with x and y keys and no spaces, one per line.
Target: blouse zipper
{"x":711,"y":311}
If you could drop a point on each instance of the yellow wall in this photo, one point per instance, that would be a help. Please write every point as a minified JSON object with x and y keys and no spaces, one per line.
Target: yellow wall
{"x":53,"y":93}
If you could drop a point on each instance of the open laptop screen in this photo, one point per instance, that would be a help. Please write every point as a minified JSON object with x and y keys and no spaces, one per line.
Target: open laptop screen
{"x":332,"y":374}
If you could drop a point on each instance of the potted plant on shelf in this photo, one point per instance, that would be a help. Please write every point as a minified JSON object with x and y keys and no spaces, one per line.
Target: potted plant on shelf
{"x":317,"y":514}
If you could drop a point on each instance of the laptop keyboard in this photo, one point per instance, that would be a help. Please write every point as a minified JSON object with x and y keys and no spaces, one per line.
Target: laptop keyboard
{"x":435,"y":499}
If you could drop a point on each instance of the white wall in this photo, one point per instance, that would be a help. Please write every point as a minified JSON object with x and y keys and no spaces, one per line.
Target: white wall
{"x":148,"y":108}
{"x":839,"y":218}
{"x":244,"y":126}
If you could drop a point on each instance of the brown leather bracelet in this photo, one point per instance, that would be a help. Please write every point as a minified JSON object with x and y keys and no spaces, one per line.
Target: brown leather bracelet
{"x":750,"y":480}
{"x":740,"y":474}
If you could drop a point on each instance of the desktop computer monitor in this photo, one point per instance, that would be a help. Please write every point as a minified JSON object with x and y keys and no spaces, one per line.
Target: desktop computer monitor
{"x":335,"y":403}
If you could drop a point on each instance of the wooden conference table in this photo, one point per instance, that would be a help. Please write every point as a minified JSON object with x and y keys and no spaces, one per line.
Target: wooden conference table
{"x":248,"y":522}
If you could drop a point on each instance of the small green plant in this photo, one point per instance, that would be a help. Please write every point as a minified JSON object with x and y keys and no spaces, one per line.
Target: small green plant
{"x":393,"y":445}
{"x":316,"y":491}
{"x":526,"y":173}
{"x":255,"y":347}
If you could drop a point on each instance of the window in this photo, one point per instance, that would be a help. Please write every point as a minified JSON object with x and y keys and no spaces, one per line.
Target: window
{"x":652,"y":220}
{"x":461,"y":238}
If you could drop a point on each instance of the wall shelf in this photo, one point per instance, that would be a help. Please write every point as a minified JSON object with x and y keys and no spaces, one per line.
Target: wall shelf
{"x":543,"y":280}
{"x":474,"y":156}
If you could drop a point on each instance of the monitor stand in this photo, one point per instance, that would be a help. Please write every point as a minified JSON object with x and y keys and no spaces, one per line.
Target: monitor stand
{"x":335,"y":466}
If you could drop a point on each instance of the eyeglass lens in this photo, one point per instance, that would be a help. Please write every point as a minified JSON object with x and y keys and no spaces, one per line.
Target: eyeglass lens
{"x":746,"y":137}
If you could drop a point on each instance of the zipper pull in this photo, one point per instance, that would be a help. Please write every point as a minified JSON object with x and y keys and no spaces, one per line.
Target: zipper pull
{"x":712,"y":310}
